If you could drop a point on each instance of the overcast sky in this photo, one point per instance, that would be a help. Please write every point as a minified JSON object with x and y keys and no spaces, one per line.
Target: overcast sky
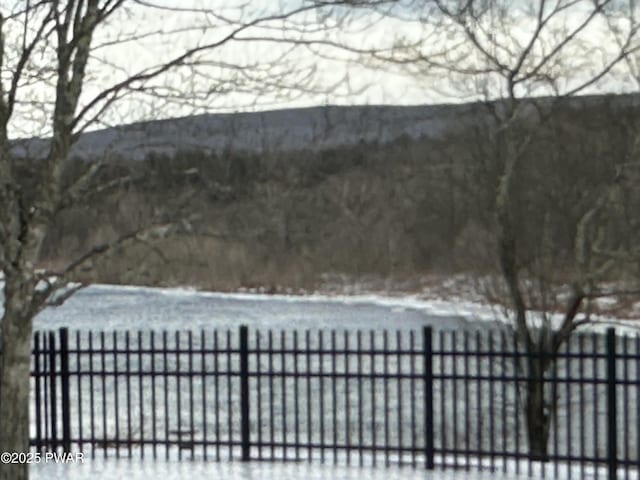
{"x":246,"y":74}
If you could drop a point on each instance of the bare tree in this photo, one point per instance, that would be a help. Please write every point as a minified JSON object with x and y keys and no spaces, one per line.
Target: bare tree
{"x":71,"y":65}
{"x":523,"y":61}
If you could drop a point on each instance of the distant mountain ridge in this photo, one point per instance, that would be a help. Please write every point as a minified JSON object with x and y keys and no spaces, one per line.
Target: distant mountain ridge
{"x":312,"y":128}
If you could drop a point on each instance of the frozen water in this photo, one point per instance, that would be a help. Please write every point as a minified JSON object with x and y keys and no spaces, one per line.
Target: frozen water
{"x":108,"y":307}
{"x":103,"y":307}
{"x":137,"y":308}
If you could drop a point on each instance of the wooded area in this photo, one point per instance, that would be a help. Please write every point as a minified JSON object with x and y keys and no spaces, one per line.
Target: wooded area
{"x":410,"y":207}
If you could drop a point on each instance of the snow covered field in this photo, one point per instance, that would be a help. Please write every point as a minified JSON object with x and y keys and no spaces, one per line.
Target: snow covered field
{"x":134,"y":469}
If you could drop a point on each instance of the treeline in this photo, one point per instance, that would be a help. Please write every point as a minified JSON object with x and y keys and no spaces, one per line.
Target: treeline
{"x":407,"y":208}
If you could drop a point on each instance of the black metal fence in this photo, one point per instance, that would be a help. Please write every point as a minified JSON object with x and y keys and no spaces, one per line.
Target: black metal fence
{"x":428,"y":399}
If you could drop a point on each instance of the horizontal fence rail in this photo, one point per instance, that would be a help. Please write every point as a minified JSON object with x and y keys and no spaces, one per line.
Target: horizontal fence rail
{"x":429,"y":399}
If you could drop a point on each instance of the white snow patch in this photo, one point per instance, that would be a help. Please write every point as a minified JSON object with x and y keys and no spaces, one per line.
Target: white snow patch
{"x":606,"y":302}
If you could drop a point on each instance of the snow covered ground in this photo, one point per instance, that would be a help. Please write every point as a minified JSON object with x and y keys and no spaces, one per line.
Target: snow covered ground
{"x":136,"y":468}
{"x":133,"y":469}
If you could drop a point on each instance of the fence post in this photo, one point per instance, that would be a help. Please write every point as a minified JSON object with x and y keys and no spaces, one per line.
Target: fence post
{"x":244,"y":393}
{"x":38,"y":390}
{"x":53,"y":397}
{"x":64,"y":389}
{"x":612,"y":414}
{"x":428,"y":397}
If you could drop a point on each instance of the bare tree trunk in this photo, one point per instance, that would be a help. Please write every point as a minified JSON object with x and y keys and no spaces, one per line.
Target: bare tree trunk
{"x":16,"y":334}
{"x":537,"y":410}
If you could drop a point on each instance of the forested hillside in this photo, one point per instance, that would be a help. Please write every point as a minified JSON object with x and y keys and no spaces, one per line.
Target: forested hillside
{"x":404,"y":205}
